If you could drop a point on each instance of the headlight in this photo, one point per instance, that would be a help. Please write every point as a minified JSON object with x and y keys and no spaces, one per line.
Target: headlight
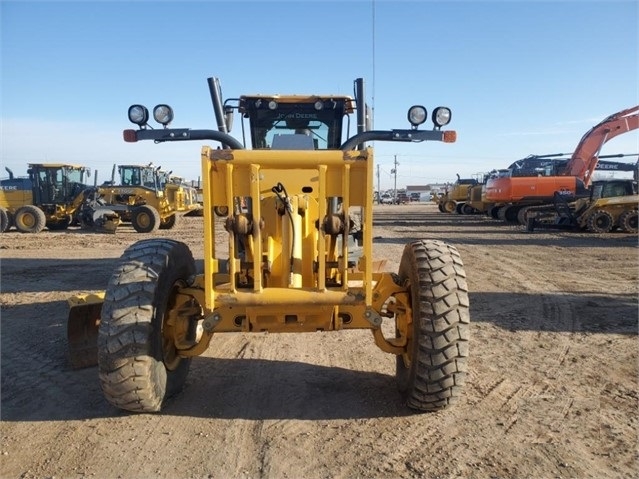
{"x":441,"y":116}
{"x":272,"y":105}
{"x":163,"y":114}
{"x":138,"y":114}
{"x":417,"y":115}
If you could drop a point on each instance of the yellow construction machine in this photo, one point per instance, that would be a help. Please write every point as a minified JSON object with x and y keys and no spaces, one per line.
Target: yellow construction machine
{"x":455,"y":197}
{"x":294,"y":262}
{"x":52,"y":196}
{"x":613,"y":204}
{"x":139,"y":198}
{"x":183,"y":195}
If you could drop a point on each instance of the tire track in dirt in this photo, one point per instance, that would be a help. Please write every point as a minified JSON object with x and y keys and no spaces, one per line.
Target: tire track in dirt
{"x":500,"y":398}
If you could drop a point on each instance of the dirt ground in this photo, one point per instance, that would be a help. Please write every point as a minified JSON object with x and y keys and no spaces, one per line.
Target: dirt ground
{"x":552,"y":389}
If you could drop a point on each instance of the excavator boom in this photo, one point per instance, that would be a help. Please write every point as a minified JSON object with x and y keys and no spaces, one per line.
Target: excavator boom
{"x":586,"y":156}
{"x":576,"y":177}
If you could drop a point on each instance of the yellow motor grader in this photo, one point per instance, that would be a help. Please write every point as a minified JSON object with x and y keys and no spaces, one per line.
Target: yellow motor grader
{"x":140,"y":198}
{"x":455,"y":198}
{"x":294,"y":263}
{"x":52,"y":196}
{"x":182,"y":195}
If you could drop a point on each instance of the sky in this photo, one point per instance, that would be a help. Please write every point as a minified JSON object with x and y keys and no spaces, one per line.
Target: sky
{"x":521,"y":77}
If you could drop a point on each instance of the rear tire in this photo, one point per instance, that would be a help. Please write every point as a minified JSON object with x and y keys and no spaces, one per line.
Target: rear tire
{"x":145,"y":219}
{"x":431,"y":373}
{"x":30,"y":219}
{"x":628,"y":221}
{"x":600,"y":222}
{"x":139,"y":367}
{"x":467,"y":209}
{"x":4,"y":220}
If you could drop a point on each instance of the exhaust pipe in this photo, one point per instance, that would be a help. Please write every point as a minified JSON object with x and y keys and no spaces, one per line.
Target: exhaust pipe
{"x":215,"y":90}
{"x":361,"y":109}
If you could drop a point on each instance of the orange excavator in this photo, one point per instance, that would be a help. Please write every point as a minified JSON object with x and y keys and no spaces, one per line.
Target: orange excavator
{"x":513,"y":194}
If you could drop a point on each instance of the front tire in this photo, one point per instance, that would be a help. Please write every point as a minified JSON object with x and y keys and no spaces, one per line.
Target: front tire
{"x":450,"y":206}
{"x":138,"y":364}
{"x":600,"y":222}
{"x":221,"y":211}
{"x":61,"y":225}
{"x":431,"y":373}
{"x":169,"y":222}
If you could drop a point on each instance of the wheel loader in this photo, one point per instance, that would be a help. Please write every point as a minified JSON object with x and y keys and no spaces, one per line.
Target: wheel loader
{"x":295,"y":262}
{"x":52,"y":196}
{"x":612,"y":204}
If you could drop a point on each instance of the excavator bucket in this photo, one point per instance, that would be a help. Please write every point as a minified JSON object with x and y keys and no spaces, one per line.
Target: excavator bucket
{"x":82,"y":329}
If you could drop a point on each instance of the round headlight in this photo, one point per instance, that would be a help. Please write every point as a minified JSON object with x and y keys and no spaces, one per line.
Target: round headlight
{"x":163,"y":114}
{"x":417,"y":115}
{"x":138,"y":114}
{"x":272,"y":105}
{"x":441,"y":116}
{"x":319,"y":105}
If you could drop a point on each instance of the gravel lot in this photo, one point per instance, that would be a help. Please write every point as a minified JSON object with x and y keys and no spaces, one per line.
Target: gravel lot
{"x":552,"y":389}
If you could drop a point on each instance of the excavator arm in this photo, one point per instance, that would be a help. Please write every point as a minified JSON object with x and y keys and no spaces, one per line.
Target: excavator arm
{"x":584,"y":160}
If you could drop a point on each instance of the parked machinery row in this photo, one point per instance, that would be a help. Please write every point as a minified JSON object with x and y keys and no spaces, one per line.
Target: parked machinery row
{"x":57,"y":196}
{"x":550,"y":186}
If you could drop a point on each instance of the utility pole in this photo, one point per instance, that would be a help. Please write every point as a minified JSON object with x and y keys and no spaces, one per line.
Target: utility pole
{"x":394,"y":172}
{"x":379,"y":192}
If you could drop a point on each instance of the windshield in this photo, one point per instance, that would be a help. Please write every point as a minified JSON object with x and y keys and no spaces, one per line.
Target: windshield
{"x":74,"y":175}
{"x":322,"y":127}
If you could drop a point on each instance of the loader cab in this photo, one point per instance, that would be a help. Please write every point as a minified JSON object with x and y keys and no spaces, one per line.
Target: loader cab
{"x":613,"y":188}
{"x":296,"y":122}
{"x":57,"y":184}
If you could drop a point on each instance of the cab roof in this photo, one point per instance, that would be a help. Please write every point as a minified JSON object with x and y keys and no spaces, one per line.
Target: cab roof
{"x":349,"y":102}
{"x":57,"y":165}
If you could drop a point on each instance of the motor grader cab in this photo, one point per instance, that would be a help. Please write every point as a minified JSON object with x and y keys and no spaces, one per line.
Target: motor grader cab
{"x":139,"y":199}
{"x":51,"y":197}
{"x":291,"y":264}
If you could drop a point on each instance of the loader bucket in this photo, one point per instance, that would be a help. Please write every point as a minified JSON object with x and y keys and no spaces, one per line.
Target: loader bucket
{"x":82,"y":329}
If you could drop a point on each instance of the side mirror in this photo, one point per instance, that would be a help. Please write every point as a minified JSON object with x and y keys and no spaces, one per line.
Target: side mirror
{"x":228,"y":118}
